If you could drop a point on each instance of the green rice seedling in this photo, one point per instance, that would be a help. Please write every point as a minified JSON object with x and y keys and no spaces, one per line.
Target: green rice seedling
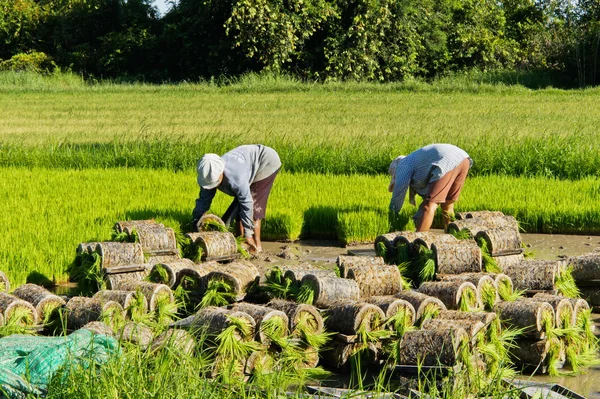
{"x":426,"y":264}
{"x":565,"y":283}
{"x":337,"y":271}
{"x":553,"y":356}
{"x":430,"y":312}
{"x":506,"y":292}
{"x":166,"y":310}
{"x":402,"y":253}
{"x":189,"y":250}
{"x":213,"y":225}
{"x":85,"y":270}
{"x":463,"y":234}
{"x":137,"y":309}
{"x":275,"y":331}
{"x":404,"y":269}
{"x":400,"y":322}
{"x":468,"y":300}
{"x":307,"y":330}
{"x":278,"y":287}
{"x":306,"y":294}
{"x":114,"y":318}
{"x":18,"y":322}
{"x":585,"y":323}
{"x":123,"y":236}
{"x":218,"y":293}
{"x":548,"y":323}
{"x":158,"y":275}
{"x":488,"y":296}
{"x":489,"y":263}
{"x":381,"y":250}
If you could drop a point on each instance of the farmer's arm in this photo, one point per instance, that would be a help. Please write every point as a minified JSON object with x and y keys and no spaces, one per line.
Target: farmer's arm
{"x":244,"y":197}
{"x":403,"y":177}
{"x":203,"y":202}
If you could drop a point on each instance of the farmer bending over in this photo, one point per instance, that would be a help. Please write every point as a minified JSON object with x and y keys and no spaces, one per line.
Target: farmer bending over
{"x":247,"y":174}
{"x":437,"y":173}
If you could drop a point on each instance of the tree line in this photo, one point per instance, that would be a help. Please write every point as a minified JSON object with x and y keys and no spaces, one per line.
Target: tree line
{"x":374,"y":40}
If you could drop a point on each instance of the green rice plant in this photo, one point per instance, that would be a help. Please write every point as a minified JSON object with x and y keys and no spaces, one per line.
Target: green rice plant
{"x":218,"y":293}
{"x":463,"y":234}
{"x":553,"y":356}
{"x":213,"y":225}
{"x":278,"y":287}
{"x":189,"y":250}
{"x":166,"y":310}
{"x":506,"y":292}
{"x":137,"y":309}
{"x":489,"y":263}
{"x":565,"y":283}
{"x":306,"y":328}
{"x":430,"y":312}
{"x":404,"y":269}
{"x":400,"y":323}
{"x":306,"y":294}
{"x":337,"y":271}
{"x":113,"y":317}
{"x":19,"y":322}
{"x":242,"y":251}
{"x":426,"y":264}
{"x":468,"y":301}
{"x":402,"y":253}
{"x":123,"y":236}
{"x":85,"y":270}
{"x":488,"y":296}
{"x":158,"y":275}
{"x":585,"y":323}
{"x":275,"y":330}
{"x":381,"y":250}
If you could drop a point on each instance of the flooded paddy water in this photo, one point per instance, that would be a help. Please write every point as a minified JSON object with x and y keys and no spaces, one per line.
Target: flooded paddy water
{"x":543,"y":246}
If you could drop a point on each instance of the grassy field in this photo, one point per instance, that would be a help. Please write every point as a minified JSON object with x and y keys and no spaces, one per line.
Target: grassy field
{"x":47,"y":212}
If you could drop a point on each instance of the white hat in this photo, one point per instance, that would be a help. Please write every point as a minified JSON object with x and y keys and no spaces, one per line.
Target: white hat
{"x":392,"y":170}
{"x":209,"y":169}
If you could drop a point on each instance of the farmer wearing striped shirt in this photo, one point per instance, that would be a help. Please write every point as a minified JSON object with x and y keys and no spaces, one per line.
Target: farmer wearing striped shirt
{"x":246,"y":173}
{"x":437,"y":173}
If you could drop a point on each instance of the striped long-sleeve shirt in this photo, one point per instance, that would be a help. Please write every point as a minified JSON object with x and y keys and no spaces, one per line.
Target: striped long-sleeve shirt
{"x":423,"y":166}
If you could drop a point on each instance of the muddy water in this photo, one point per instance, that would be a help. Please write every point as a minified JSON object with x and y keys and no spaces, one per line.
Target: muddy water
{"x":543,"y":246}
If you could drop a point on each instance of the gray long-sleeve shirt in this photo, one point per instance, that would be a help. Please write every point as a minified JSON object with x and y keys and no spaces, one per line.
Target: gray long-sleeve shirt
{"x":244,"y":165}
{"x":422,"y":167}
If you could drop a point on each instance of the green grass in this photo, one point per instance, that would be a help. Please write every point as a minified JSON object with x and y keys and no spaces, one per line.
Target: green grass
{"x":320,"y":206}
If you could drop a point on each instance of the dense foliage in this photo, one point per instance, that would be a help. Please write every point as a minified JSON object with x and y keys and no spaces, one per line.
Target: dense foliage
{"x":379,"y":40}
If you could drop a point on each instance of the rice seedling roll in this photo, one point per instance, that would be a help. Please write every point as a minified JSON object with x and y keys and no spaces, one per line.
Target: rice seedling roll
{"x":484,"y":317}
{"x":487,"y":293}
{"x":350,"y":317}
{"x":541,"y":355}
{"x":46,"y":303}
{"x":440,"y":347}
{"x":505,"y":287}
{"x":299,"y":313}
{"x":168,"y":258}
{"x":462,"y":256}
{"x":477,"y":214}
{"x":322,"y":292}
{"x":501,"y":240}
{"x":119,"y":254}
{"x":154,"y":293}
{"x":384,"y":245}
{"x":345,"y":262}
{"x":391,"y":305}
{"x":585,"y":267}
{"x":129,"y":225}
{"x":454,"y":294}
{"x":428,"y":239}
{"x":296,"y":274}
{"x":376,"y":279}
{"x":83,"y":310}
{"x":339,"y":354}
{"x":426,"y":306}
{"x":580,"y":307}
{"x":213,"y":321}
{"x":166,"y":272}
{"x":537,"y":318}
{"x":471,"y":327}
{"x":271,"y":324}
{"x":178,"y":339}
{"x":153,"y":237}
{"x":17,"y":311}
{"x":260,"y":362}
{"x":113,"y":281}
{"x":4,"y":282}
{"x":239,"y":277}
{"x":99,"y":327}
{"x":134,"y":303}
{"x":214,"y":244}
{"x":210,"y":222}
{"x":506,"y":261}
{"x":137,"y":334}
{"x":563,"y":308}
{"x":534,"y":274}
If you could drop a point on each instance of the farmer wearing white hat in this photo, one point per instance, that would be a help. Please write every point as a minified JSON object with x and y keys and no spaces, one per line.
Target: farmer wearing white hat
{"x":437,"y":173}
{"x":246,"y":173}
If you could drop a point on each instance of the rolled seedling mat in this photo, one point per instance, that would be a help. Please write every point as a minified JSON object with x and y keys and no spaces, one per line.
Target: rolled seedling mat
{"x":536,"y":317}
{"x":154,"y":237}
{"x":228,"y":369}
{"x":137,"y":334}
{"x":82,"y":310}
{"x":421,"y":302}
{"x":178,"y":339}
{"x":303,"y":313}
{"x":98,"y":327}
{"x":87,"y":247}
{"x":154,"y":293}
{"x":119,"y":254}
{"x":508,"y":260}
{"x":339,"y":354}
{"x":330,"y":290}
{"x":477,"y":214}
{"x":215,"y":245}
{"x":350,"y":317}
{"x":310,"y":358}
{"x":537,"y":354}
{"x":432,"y":347}
{"x":462,"y":256}
{"x":128,"y":225}
{"x":241,"y":275}
{"x":451,"y":293}
{"x":385,"y":244}
{"x":376,"y":279}
{"x":487,"y":292}
{"x":483,"y":317}
{"x":193,"y":278}
{"x":580,"y":306}
{"x":4,"y":282}
{"x":114,"y":281}
{"x":133,"y":303}
{"x":165,"y":258}
{"x":535,"y":274}
{"x":504,"y":285}
{"x":585,"y":267}
{"x":563,"y":308}
{"x":428,"y":239}
{"x":345,"y":262}
{"x":17,"y":310}
{"x":502,"y":241}
{"x":213,"y":321}
{"x":475,"y":225}
{"x":45,"y":302}
{"x":392,"y":305}
{"x":127,"y":269}
{"x":263,"y":316}
{"x":259,"y":362}
{"x":166,"y":272}
{"x":471,"y":327}
{"x":296,"y":274}
{"x":210,"y":222}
